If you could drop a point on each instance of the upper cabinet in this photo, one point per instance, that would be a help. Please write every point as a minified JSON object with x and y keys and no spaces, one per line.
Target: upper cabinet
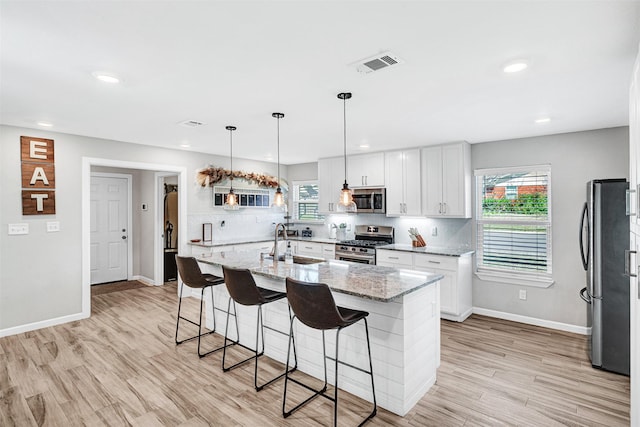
{"x":633,"y":201}
{"x":330,"y":180}
{"x":446,"y":181}
{"x":365,"y":170}
{"x":402,"y":175}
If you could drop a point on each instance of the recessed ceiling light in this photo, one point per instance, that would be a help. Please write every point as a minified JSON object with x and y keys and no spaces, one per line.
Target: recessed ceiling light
{"x":105,"y":77}
{"x":364,"y":146}
{"x":543,"y":120}
{"x":515,"y":66}
{"x":185,"y":145}
{"x":45,"y":124}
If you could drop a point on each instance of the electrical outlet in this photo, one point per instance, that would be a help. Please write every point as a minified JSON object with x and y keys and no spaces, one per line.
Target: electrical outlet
{"x":523,"y":294}
{"x":18,"y":229}
{"x":434,"y":231}
{"x":53,"y":226}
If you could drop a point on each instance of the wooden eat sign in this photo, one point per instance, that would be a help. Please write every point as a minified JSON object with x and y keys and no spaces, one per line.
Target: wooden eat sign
{"x":38,"y":176}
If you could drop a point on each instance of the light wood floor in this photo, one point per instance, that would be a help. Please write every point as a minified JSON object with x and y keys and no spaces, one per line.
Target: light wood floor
{"x":121,"y":367}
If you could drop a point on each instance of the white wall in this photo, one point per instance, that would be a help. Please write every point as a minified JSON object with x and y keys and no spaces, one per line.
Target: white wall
{"x":575,"y":158}
{"x":41,"y":273}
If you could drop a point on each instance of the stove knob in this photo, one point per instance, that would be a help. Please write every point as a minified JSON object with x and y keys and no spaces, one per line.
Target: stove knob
{"x":363,"y":250}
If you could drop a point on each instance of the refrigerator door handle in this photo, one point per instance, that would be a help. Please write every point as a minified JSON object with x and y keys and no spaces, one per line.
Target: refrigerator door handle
{"x":627,"y":263}
{"x":582,"y":291}
{"x":585,"y":218}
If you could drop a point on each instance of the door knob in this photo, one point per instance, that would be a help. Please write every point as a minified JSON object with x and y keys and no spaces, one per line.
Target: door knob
{"x":124,"y":237}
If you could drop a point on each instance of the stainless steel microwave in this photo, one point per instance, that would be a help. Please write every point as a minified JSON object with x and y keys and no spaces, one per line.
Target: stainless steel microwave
{"x":370,"y":200}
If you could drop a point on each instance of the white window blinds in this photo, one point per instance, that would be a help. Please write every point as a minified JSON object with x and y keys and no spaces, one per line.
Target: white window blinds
{"x":305,"y":201}
{"x":514,"y":220}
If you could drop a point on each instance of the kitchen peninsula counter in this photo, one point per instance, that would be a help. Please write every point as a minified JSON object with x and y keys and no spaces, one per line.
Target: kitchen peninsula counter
{"x":404,"y":323}
{"x":361,"y":280}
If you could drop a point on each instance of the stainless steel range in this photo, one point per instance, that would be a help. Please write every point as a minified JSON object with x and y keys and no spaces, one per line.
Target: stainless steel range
{"x":363,"y":248}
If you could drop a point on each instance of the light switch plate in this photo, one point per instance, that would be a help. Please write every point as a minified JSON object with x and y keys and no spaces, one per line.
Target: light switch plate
{"x":15,"y":229}
{"x":53,"y":226}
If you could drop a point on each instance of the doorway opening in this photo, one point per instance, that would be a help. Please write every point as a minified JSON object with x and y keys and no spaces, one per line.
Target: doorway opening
{"x":146,"y":234}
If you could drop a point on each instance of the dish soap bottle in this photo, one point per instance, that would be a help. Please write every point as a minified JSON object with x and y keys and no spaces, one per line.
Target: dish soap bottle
{"x":288,"y":256}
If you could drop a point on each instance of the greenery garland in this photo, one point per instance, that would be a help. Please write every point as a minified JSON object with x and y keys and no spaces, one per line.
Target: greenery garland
{"x":208,"y":177}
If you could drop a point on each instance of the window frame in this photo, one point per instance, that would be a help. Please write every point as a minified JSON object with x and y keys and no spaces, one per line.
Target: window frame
{"x":504,"y":275}
{"x":295,"y":201}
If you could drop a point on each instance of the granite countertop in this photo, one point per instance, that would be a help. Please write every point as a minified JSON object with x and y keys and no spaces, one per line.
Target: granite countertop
{"x":260,"y":240}
{"x":431,"y":250}
{"x":367,"y":281}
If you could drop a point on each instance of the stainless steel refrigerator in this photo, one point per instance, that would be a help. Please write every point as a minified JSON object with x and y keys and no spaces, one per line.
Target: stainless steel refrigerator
{"x":604,"y":247}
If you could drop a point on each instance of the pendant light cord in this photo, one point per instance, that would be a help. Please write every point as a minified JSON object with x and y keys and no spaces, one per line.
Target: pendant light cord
{"x":231,"y":158}
{"x":278,"y":117}
{"x":344,"y":117}
{"x":231,"y":129}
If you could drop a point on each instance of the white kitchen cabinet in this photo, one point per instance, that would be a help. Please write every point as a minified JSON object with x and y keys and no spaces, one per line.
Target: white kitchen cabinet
{"x":330,"y":180}
{"x":265,"y":246}
{"x":455,"y":286}
{"x":633,"y":199}
{"x":328,"y":251}
{"x":446,"y":181}
{"x":397,"y":259}
{"x":402,"y":175}
{"x":366,"y":170}
{"x":316,"y":250}
{"x":312,"y":249}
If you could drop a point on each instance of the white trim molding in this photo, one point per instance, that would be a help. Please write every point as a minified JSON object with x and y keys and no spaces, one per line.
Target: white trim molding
{"x":582,"y":330}
{"x":42,"y":324}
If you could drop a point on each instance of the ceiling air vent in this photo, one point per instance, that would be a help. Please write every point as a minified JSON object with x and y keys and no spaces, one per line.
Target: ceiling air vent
{"x":378,"y":62}
{"x":191,"y":123}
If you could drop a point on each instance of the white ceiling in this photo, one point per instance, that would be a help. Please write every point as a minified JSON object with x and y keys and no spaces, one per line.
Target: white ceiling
{"x":237,"y":62}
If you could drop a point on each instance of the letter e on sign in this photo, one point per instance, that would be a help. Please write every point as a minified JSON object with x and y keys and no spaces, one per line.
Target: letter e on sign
{"x":36,"y":150}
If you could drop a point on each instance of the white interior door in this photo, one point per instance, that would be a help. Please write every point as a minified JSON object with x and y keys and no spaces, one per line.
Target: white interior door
{"x":109,"y":229}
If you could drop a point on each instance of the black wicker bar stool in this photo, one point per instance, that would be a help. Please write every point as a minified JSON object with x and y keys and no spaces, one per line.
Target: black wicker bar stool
{"x":244,"y":291}
{"x":192,"y":277}
{"x":314,"y":306}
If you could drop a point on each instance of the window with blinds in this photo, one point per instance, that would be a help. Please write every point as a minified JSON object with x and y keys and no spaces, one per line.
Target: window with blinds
{"x":514,"y":221}
{"x":305,"y":201}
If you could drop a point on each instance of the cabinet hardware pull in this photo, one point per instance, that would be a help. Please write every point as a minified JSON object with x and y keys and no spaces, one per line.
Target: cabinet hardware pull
{"x":393,"y":257}
{"x":434,"y":262}
{"x":627,"y":263}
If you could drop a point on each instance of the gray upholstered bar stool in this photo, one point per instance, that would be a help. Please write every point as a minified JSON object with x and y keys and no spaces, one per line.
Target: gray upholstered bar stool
{"x":244,"y":291}
{"x":192,"y":277}
{"x":314,"y":306}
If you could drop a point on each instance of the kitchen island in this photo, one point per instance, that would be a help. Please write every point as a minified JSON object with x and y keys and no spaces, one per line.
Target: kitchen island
{"x":404,"y":323}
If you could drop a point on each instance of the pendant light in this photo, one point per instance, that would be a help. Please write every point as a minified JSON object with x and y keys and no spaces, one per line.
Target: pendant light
{"x":278,"y":198}
{"x":346,"y":203}
{"x":231,"y":203}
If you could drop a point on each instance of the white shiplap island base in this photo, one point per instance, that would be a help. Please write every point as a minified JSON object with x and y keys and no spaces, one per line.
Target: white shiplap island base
{"x":404,"y":323}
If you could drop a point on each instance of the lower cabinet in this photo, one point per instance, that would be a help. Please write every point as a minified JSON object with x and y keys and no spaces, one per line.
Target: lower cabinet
{"x":455,"y":286}
{"x":316,"y":249}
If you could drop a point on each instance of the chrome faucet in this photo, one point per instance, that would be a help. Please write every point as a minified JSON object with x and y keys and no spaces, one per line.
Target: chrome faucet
{"x":274,"y":251}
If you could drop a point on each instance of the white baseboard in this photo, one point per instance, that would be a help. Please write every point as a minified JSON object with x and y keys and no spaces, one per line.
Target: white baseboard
{"x":582,"y":330}
{"x":145,"y":280}
{"x":42,"y":324}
